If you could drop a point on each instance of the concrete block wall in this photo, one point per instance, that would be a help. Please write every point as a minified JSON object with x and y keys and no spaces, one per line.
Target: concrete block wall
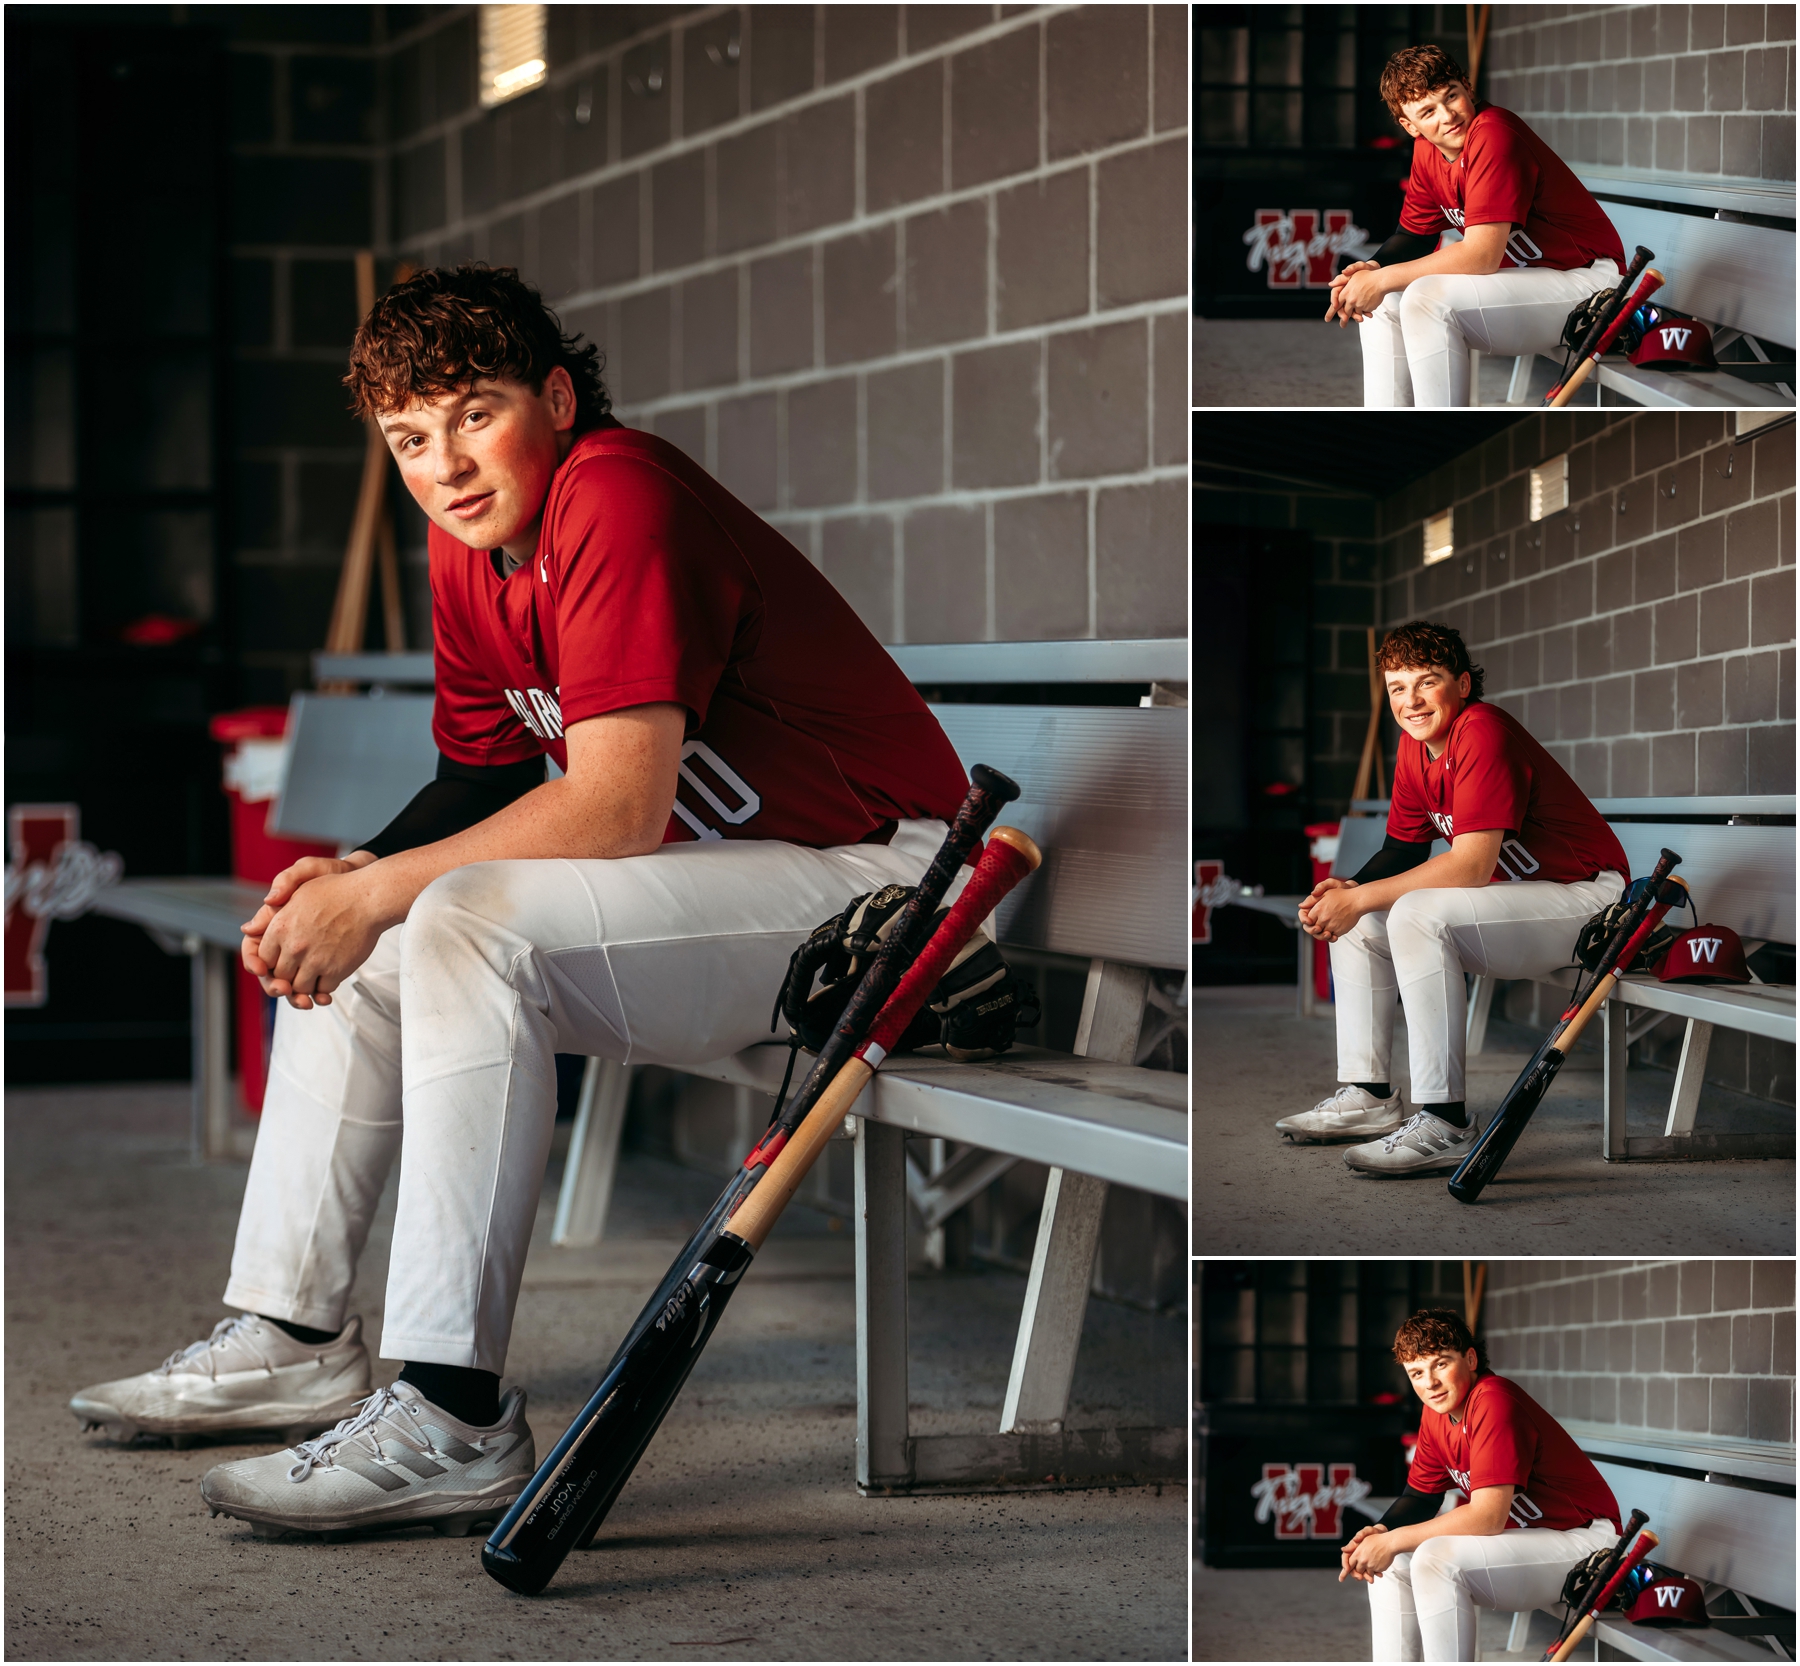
{"x":909,"y":280}
{"x":1645,"y":635}
{"x":307,"y":188}
{"x":1703,"y":89}
{"x":1680,"y":1347}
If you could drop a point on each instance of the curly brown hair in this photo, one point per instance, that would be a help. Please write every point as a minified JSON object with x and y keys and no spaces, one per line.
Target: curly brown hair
{"x":1415,"y":71}
{"x":1436,"y":1330}
{"x":442,"y":331}
{"x":1407,"y":647}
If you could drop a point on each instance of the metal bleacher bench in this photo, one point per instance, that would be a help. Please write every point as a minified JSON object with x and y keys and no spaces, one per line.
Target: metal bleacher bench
{"x":1720,"y":264}
{"x":1739,"y":875}
{"x":1104,"y":796}
{"x":1723,"y":1513}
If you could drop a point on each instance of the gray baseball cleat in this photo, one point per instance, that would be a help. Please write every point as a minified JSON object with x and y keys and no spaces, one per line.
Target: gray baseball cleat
{"x":248,"y":1375}
{"x":1349,"y":1114}
{"x":399,"y":1462}
{"x":1425,"y":1145}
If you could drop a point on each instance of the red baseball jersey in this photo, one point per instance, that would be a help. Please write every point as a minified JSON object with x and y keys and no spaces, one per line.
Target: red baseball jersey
{"x":1507,"y":175}
{"x":1500,"y":1437}
{"x":652,"y":583}
{"x":1493,"y":776}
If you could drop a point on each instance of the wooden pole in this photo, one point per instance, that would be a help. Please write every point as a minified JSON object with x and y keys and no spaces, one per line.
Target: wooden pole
{"x":1474,"y":1286}
{"x":371,"y":529}
{"x":1476,"y":25}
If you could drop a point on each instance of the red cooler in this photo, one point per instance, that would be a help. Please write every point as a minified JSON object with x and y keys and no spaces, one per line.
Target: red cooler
{"x":253,"y":768}
{"x":1324,"y":846}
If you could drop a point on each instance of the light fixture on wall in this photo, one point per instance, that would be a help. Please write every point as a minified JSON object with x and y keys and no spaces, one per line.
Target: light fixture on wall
{"x":1440,"y":543}
{"x":512,"y":52}
{"x":1550,"y":487}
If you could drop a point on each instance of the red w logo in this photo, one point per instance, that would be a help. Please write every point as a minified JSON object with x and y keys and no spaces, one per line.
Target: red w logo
{"x":1206,"y":875}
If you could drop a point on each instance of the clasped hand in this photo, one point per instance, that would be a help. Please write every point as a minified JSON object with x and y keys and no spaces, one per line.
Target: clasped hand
{"x":1368,"y":1555}
{"x":314,"y":929}
{"x":1328,"y":911}
{"x":1354,"y":294}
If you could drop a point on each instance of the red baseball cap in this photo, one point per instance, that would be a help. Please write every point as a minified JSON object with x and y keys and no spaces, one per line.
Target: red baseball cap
{"x":1673,"y":343}
{"x":1670,"y":1600}
{"x":1707,"y":954}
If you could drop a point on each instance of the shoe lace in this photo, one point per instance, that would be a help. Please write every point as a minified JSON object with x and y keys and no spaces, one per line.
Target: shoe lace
{"x":361,"y":1428}
{"x":240,"y":1329}
{"x":1413,"y":1123}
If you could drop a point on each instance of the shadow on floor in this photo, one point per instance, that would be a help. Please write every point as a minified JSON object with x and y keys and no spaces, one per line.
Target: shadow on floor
{"x":1298,"y":362}
{"x":741,"y":1531}
{"x":1256,"y":1194}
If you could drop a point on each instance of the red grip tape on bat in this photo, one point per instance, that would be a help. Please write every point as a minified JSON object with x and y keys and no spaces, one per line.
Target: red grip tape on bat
{"x":1010,"y":855}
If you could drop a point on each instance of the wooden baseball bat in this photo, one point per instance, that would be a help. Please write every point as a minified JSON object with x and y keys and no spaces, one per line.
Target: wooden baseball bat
{"x":1647,"y":1542}
{"x":1598,"y":1583}
{"x":1495,"y":1142}
{"x":584,"y":1473}
{"x":1647,"y":286}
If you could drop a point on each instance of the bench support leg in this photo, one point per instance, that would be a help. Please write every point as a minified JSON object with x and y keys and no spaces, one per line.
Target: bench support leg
{"x":593,"y":1160}
{"x":1689,"y":1074}
{"x":1614,"y":1057}
{"x":209,"y":975}
{"x":1521,"y":1628}
{"x":883,"y":1453}
{"x":1481,"y":1001}
{"x":1518,"y":390}
{"x":1062,"y":1268}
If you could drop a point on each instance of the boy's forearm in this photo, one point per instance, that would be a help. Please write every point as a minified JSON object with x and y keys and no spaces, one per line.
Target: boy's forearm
{"x":1456,"y":258}
{"x":1465,"y":1520}
{"x":554,"y":820}
{"x":1445,"y":871}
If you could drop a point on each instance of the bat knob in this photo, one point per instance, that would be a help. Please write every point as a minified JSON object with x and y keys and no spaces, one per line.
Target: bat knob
{"x":1003,"y":787}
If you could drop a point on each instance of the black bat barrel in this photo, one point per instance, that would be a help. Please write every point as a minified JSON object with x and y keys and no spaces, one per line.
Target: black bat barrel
{"x":577,"y":1483}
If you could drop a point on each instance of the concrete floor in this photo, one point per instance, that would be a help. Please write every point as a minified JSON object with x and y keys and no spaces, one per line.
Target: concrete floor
{"x":1286,"y":1614}
{"x":1256,"y":1194}
{"x":1287,"y":361}
{"x":740,"y":1537}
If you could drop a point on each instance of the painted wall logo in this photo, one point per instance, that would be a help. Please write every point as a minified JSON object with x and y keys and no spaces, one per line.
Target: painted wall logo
{"x":1307,"y":1501}
{"x":1300,"y":248}
{"x":1207,"y":877}
{"x":52,"y":875}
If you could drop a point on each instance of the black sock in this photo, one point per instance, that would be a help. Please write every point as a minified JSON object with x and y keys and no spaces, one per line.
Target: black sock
{"x":1379,"y":1090}
{"x":468,"y":1394}
{"x":301,"y":1333}
{"x":1452,"y":1113}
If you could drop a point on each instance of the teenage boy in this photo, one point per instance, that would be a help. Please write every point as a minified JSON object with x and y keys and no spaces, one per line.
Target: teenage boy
{"x":1535,"y":244}
{"x":1530,"y":861}
{"x":740,"y":758}
{"x":1533,"y":1504}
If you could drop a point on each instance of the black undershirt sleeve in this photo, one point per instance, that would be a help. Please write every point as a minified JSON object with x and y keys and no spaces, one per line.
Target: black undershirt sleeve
{"x":1395,"y":856}
{"x":1411,"y":1507}
{"x":462,"y":795}
{"x":1405,"y":245}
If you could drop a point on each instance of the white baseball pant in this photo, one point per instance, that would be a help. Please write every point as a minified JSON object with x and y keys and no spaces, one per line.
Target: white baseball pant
{"x":1423,"y":1607}
{"x":440,"y":1049}
{"x":1416,"y":344}
{"x":1418,"y":951}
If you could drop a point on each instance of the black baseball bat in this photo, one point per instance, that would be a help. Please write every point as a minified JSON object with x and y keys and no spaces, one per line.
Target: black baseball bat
{"x":1602,"y":1576}
{"x":1605,"y":316}
{"x":1495,"y":1142}
{"x":566,"y":1501}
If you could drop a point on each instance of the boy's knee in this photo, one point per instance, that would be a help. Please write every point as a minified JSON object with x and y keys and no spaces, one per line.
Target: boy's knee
{"x":1425,"y":298}
{"x":1437,"y":1559}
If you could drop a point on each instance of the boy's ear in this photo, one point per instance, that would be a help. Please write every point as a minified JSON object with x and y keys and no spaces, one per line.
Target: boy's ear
{"x":559,"y":390}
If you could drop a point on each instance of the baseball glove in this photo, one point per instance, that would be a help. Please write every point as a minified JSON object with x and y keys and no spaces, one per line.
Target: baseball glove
{"x":1598,"y":932}
{"x":1581,"y":1576}
{"x":974,"y":1011}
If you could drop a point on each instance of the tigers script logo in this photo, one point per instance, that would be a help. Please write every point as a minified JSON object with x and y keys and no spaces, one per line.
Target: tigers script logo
{"x":1297,"y":252}
{"x":1307,"y":1500}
